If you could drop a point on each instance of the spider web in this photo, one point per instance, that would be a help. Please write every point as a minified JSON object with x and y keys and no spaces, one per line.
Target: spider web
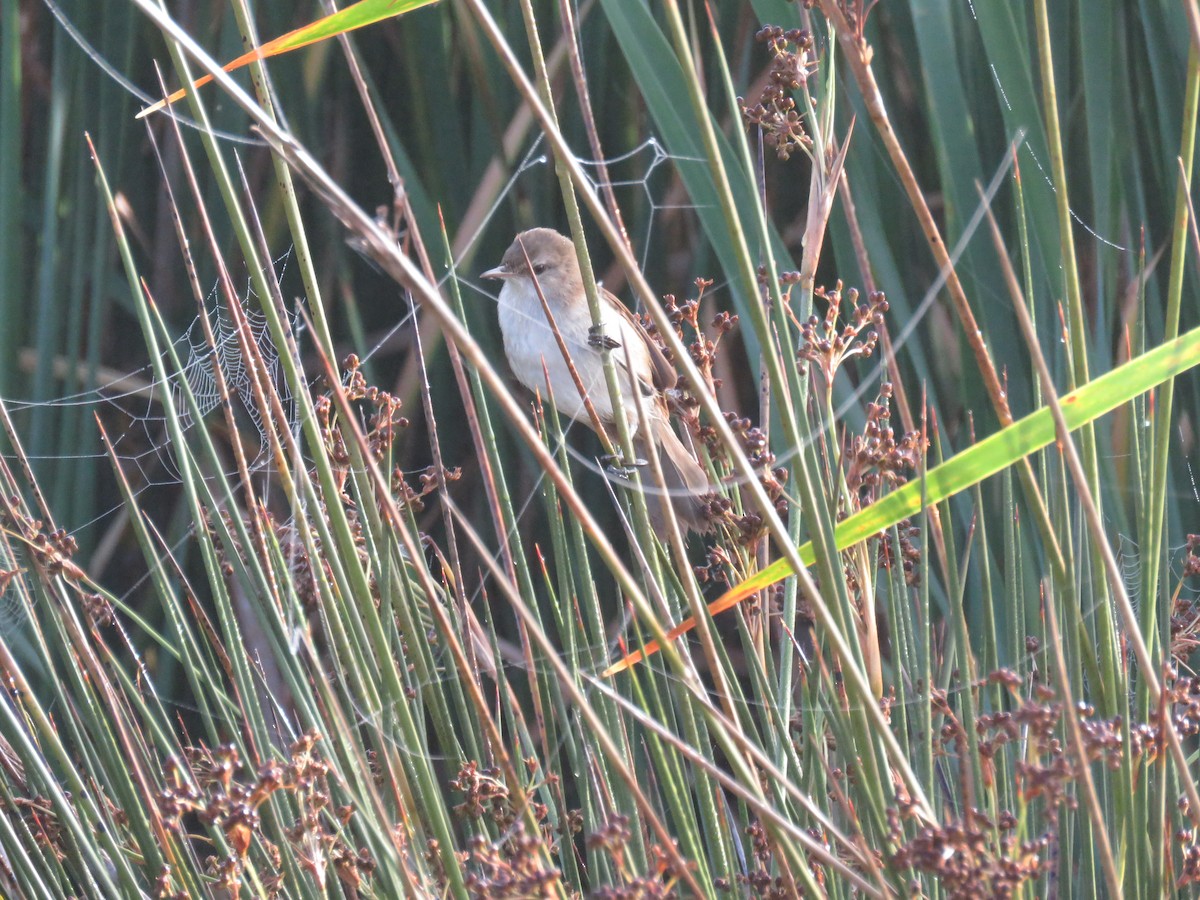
{"x":224,"y":356}
{"x":201,"y":364}
{"x":131,"y":404}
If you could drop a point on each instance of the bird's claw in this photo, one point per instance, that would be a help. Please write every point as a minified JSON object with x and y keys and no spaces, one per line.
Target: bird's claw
{"x":619,"y":467}
{"x":600,"y":341}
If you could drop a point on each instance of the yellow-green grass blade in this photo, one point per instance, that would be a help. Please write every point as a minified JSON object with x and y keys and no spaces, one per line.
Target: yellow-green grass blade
{"x":361,"y":14}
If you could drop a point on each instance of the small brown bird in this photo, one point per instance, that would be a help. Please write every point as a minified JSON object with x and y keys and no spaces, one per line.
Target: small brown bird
{"x":529,"y":344}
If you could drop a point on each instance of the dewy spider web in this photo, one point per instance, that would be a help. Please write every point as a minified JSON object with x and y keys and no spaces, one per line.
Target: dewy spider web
{"x":130,"y":405}
{"x":204,"y":361}
{"x":201,"y":363}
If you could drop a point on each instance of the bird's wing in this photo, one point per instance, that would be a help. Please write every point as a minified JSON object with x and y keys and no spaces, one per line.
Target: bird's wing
{"x":662,"y":373}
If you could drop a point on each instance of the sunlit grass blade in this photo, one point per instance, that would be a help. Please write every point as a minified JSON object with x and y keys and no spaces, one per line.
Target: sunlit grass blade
{"x":361,"y":14}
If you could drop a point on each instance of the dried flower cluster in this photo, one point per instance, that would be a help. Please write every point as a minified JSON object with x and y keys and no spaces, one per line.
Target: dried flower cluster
{"x":703,"y":348}
{"x":611,"y":837}
{"x":37,"y":814}
{"x":386,"y":419}
{"x":515,"y":867}
{"x":792,"y":63}
{"x":53,"y":554}
{"x":485,"y":794}
{"x":967,"y":857}
{"x":826,"y":347}
{"x":909,"y":552}
{"x":383,"y":422}
{"x":52,"y":551}
{"x":431,"y":479}
{"x":759,"y":881}
{"x":973,"y":854}
{"x":206,"y":786}
{"x":877,"y":459}
{"x":750,"y":526}
{"x":1185,"y":613}
{"x":522,"y":863}
{"x":519,"y":864}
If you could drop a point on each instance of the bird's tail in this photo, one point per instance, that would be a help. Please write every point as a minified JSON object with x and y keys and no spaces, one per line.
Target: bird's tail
{"x":685,"y":481}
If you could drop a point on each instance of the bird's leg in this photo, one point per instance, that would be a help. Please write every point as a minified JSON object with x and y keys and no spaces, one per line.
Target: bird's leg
{"x":598,"y":340}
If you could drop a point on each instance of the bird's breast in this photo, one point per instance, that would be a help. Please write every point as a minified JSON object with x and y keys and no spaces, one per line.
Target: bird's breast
{"x":533,"y":351}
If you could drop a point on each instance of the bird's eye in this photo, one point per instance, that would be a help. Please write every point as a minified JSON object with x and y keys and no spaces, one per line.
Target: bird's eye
{"x":539,"y":268}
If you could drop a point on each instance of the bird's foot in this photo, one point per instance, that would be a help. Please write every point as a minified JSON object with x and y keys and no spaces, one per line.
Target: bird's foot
{"x":600,"y":341}
{"x":619,"y":467}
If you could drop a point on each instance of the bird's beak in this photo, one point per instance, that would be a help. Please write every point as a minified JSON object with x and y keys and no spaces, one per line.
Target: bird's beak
{"x":499,"y":273}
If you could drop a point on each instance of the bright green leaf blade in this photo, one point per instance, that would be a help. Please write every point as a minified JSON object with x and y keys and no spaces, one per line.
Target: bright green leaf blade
{"x":365,"y":12}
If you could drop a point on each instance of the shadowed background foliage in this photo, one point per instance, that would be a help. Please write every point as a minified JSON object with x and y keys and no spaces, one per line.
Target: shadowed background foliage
{"x":957,"y":80}
{"x":962,"y":86}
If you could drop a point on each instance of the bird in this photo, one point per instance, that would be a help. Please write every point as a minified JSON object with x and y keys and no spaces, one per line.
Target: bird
{"x":547,"y":257}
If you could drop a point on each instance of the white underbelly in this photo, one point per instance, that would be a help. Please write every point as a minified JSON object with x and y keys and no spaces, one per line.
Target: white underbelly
{"x":533,"y":352}
{"x":531,"y":364}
